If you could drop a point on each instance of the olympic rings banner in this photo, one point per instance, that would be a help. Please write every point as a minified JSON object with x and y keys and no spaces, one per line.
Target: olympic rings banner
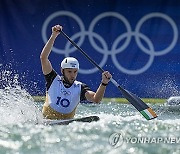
{"x":138,"y":42}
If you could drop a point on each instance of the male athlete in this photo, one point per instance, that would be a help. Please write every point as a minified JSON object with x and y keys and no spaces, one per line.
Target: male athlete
{"x":63,"y":93}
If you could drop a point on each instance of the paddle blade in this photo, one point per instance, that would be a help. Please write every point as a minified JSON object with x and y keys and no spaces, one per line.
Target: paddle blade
{"x":143,"y":108}
{"x":148,"y":113}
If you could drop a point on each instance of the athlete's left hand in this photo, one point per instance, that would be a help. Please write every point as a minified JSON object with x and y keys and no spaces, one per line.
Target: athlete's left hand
{"x":106,"y":76}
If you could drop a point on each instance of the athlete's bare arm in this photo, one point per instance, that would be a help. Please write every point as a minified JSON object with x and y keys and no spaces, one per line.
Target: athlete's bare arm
{"x":45,"y":63}
{"x":98,"y":95}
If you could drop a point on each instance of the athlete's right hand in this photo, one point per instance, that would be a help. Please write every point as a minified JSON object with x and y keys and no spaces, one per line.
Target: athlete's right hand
{"x":56,"y":30}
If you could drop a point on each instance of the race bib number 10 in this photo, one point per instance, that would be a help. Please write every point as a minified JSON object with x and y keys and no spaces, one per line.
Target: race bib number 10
{"x":63,"y":102}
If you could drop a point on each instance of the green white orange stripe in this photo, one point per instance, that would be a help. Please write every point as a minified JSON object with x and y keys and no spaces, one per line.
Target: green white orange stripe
{"x":148,"y":114}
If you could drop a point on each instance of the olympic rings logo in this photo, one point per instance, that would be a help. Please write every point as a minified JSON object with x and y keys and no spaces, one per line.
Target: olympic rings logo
{"x":114,"y":48}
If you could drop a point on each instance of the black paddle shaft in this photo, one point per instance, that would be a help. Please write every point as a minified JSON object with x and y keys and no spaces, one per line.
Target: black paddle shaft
{"x":81,"y":50}
{"x":133,"y":99}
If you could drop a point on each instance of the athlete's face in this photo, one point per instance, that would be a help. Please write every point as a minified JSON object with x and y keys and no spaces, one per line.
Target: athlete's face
{"x":70,"y":74}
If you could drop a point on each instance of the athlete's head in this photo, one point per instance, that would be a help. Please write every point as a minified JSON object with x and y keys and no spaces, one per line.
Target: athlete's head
{"x":69,"y":69}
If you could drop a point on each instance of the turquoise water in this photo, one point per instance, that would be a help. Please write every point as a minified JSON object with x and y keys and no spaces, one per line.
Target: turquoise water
{"x":121,"y":128}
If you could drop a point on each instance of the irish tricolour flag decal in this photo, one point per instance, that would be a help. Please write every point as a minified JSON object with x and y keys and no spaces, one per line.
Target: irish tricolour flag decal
{"x":148,"y":113}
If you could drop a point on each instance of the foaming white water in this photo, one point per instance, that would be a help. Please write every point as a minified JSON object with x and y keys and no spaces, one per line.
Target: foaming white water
{"x":170,"y":121}
{"x":16,"y":104}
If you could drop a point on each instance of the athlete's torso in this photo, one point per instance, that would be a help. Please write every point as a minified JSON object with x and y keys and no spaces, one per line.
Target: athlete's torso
{"x":61,"y":99}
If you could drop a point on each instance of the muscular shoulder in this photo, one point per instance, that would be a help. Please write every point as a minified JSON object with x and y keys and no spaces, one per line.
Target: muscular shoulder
{"x":85,"y":86}
{"x":84,"y":89}
{"x":49,"y":78}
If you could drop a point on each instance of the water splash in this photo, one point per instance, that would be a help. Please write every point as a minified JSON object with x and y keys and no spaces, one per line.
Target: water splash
{"x":16,"y":104}
{"x":170,"y":86}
